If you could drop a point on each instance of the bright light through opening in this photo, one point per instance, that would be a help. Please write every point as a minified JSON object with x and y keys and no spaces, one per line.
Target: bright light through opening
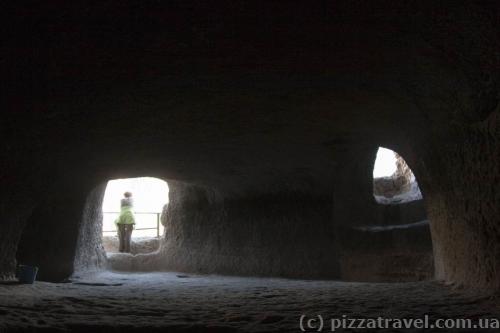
{"x":149,"y":196}
{"x":385,"y":163}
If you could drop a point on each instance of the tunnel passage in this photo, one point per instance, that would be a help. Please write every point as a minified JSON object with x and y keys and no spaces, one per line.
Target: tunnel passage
{"x":149,"y":199}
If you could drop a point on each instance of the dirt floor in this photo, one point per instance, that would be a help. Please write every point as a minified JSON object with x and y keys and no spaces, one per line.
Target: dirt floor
{"x":167,"y":301}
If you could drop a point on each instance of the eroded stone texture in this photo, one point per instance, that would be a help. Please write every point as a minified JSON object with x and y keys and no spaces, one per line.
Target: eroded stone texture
{"x":250,"y":235}
{"x":397,"y":183}
{"x":464,"y":205}
{"x":271,"y":129}
{"x":90,"y":254}
{"x":458,"y":160}
{"x":403,"y":170}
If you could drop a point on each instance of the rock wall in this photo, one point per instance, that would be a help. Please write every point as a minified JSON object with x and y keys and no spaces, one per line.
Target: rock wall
{"x":457,"y":160}
{"x":390,"y":186}
{"x":49,"y":239}
{"x":387,"y":254}
{"x":10,"y":235}
{"x":464,"y":205}
{"x":404,"y":171}
{"x":22,"y":185}
{"x":397,"y":214}
{"x":90,"y":254}
{"x":280,"y":234}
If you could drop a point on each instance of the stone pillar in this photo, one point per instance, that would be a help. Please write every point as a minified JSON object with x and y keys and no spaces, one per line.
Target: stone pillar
{"x":463,"y":200}
{"x":90,"y":254}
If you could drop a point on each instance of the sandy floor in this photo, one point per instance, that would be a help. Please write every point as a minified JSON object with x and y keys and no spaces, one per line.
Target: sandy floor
{"x":194,"y":303}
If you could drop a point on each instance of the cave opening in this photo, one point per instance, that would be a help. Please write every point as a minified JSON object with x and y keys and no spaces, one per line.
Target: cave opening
{"x":393,"y":180}
{"x":149,"y":198}
{"x":392,"y":243}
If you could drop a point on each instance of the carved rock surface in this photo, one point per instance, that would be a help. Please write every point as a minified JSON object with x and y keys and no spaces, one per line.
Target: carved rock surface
{"x":264,"y":119}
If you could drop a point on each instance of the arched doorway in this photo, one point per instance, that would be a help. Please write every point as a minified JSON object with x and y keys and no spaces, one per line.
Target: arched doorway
{"x":149,"y":197}
{"x":393,"y":180}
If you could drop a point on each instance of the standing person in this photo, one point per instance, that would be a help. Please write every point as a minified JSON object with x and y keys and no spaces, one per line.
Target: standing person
{"x":125,"y":222}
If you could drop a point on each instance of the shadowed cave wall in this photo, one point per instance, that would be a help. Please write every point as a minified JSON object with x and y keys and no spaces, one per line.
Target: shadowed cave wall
{"x":255,"y":135}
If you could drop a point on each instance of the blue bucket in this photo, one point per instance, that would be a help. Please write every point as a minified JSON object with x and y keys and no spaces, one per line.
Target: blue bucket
{"x":27,"y":274}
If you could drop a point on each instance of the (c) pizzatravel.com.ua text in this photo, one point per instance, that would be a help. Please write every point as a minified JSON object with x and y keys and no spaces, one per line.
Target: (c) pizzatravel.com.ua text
{"x":320,"y":323}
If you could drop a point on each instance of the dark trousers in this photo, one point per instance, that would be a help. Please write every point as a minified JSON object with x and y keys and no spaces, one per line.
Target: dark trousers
{"x":124,"y":235}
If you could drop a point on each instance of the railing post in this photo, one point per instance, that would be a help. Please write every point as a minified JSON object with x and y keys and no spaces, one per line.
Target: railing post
{"x":158,"y":225}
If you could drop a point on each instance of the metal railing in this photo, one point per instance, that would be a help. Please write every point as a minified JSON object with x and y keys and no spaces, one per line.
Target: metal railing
{"x":157,"y":228}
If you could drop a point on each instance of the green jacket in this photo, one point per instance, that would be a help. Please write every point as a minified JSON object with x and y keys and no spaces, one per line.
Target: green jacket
{"x":126,"y":216}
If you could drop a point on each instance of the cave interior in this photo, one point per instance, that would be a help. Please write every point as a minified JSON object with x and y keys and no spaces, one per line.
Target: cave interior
{"x":265,"y":120}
